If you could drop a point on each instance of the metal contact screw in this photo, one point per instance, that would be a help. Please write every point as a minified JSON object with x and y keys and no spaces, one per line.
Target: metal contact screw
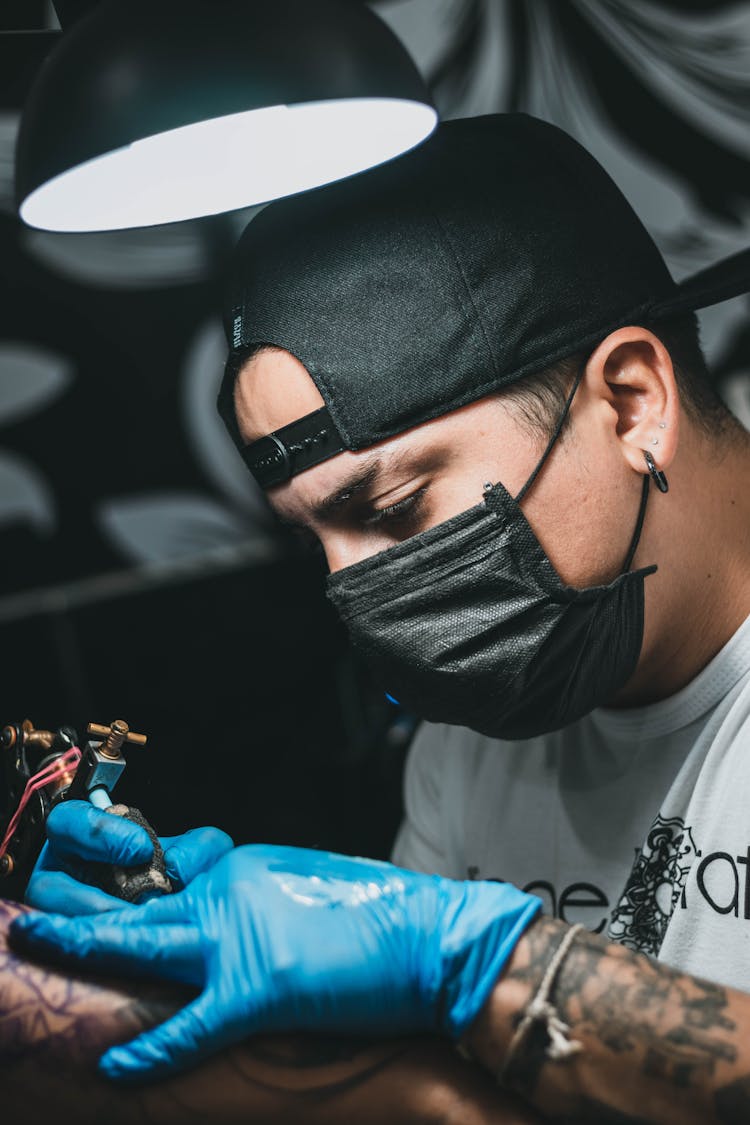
{"x":114,"y":735}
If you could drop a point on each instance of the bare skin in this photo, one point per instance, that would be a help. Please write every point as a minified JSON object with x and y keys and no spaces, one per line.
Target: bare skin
{"x":659,"y":1046}
{"x":582,"y":507}
{"x":679,"y":1040}
{"x":54,"y":1025}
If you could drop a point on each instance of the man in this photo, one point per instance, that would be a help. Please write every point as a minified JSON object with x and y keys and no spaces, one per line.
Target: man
{"x":469,"y":374}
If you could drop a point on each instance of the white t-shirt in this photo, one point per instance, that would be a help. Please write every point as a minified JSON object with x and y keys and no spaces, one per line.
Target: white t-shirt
{"x":634,"y":822}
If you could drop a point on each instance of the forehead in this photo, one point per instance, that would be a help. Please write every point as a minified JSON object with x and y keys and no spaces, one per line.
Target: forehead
{"x":273,"y":389}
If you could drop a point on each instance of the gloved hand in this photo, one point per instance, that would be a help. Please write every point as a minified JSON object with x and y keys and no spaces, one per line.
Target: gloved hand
{"x":285,"y":939}
{"x":77,"y":832}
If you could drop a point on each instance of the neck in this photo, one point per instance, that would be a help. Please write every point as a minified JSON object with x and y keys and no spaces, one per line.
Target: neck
{"x":699,"y":536}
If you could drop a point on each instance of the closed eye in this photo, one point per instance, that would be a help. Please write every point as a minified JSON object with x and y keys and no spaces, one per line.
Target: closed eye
{"x":402,"y":511}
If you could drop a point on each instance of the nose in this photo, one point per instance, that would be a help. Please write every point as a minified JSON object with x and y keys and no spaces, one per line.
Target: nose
{"x":337,"y":557}
{"x":344,"y":550}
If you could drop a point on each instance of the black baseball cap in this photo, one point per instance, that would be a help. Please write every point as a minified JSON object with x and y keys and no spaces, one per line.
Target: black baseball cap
{"x":495,"y":249}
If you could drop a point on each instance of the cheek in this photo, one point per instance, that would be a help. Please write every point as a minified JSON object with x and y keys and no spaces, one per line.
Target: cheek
{"x":340,"y":552}
{"x":584,"y":518}
{"x":342,"y":549}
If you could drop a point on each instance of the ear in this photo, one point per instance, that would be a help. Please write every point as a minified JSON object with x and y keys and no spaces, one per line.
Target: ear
{"x":634,"y":371}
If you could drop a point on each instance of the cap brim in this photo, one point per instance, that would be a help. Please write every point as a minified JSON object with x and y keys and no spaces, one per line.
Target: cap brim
{"x":728,"y":278}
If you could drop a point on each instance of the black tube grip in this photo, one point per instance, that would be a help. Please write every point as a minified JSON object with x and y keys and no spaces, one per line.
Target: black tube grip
{"x":135,"y":884}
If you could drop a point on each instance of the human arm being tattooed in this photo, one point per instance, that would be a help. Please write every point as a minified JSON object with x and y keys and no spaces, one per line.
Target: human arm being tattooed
{"x":54,"y":1025}
{"x":658,"y":1046}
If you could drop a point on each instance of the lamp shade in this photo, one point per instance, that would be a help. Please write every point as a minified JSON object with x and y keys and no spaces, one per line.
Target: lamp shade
{"x":153,"y":111}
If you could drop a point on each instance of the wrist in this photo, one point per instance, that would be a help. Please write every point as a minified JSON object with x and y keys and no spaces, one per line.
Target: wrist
{"x":520,"y":1017}
{"x":482,"y":925}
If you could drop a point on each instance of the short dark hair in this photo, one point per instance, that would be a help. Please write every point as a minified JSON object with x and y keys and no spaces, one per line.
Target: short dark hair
{"x":540,"y":398}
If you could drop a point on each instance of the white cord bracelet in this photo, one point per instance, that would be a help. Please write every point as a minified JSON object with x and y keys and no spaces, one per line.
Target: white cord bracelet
{"x":540,"y":1010}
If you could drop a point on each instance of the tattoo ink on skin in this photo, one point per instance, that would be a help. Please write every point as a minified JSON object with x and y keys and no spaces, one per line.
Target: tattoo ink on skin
{"x":677,"y":1028}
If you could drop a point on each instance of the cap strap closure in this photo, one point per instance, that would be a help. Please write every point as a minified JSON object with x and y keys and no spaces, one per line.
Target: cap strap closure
{"x":293,"y":448}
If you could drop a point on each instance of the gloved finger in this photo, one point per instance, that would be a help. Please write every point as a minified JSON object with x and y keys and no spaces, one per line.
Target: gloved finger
{"x":59,"y":893}
{"x":164,"y":910}
{"x":50,"y":860}
{"x":194,"y":851}
{"x":167,"y":952}
{"x":195,"y":1033}
{"x":77,"y":828}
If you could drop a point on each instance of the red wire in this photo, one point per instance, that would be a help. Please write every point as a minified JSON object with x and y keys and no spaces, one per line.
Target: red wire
{"x":50,"y":773}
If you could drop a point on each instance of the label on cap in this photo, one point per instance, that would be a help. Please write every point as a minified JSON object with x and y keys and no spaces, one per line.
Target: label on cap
{"x":237,"y":327}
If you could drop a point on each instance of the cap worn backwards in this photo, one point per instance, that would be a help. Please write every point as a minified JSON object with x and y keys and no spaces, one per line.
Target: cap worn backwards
{"x":496,"y":248}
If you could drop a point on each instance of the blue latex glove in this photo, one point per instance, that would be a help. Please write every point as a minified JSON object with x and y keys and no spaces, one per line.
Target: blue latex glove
{"x":285,"y":939}
{"x":77,"y":832}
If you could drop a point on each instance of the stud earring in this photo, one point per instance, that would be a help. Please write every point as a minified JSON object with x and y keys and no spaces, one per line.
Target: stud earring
{"x":657,"y":475}
{"x":654,"y":441}
{"x":662,"y":425}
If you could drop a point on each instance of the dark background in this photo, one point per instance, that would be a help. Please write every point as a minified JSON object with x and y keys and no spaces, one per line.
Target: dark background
{"x":142,"y":576}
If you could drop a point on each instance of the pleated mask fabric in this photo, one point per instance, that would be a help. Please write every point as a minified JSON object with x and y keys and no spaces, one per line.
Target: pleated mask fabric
{"x":469,"y":623}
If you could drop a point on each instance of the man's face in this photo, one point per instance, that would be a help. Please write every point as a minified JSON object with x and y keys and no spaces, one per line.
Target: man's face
{"x":582,"y":508}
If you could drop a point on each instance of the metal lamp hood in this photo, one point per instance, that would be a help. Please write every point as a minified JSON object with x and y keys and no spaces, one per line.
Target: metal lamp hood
{"x":153,"y":111}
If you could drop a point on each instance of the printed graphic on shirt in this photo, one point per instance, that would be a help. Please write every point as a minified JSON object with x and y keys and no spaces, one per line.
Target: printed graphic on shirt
{"x":655,"y":886}
{"x":580,"y":901}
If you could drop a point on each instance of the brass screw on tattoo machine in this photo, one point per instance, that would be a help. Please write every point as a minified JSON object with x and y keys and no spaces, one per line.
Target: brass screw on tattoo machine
{"x":39,"y":769}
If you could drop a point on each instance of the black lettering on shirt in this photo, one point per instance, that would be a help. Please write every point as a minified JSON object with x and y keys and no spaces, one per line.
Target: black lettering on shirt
{"x":732,"y":905}
{"x":583,"y":896}
{"x":577,"y":898}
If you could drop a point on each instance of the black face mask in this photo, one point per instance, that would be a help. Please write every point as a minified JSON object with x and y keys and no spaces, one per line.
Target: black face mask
{"x":469,"y":623}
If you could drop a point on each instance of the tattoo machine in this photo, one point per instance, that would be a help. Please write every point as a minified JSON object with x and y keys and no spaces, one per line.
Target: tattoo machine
{"x":39,"y":769}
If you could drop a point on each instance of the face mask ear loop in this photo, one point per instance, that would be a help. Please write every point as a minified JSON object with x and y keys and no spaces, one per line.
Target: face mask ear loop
{"x":638,"y":525}
{"x":540,"y":465}
{"x":555,"y":435}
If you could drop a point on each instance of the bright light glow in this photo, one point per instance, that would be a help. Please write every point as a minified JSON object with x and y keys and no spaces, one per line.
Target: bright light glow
{"x":228,"y":162}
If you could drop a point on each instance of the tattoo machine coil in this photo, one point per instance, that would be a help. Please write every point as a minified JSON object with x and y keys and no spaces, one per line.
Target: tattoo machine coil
{"x":40,"y":768}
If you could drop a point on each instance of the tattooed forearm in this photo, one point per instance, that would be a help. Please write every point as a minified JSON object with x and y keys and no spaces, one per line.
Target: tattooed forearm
{"x":54,"y":1026}
{"x":659,"y":1046}
{"x":51,"y":1024}
{"x":677,"y":1022}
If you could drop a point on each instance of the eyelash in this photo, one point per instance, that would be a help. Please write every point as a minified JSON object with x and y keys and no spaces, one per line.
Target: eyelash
{"x":401,"y":510}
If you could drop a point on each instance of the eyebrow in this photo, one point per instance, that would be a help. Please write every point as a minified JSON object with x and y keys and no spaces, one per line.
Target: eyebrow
{"x":360,"y":481}
{"x":357,"y":483}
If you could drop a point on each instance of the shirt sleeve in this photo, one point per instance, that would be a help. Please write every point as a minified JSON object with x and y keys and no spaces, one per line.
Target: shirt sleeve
{"x":419,"y":845}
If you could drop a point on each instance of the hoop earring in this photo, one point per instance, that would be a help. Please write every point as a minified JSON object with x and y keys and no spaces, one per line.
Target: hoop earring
{"x":657,"y":475}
